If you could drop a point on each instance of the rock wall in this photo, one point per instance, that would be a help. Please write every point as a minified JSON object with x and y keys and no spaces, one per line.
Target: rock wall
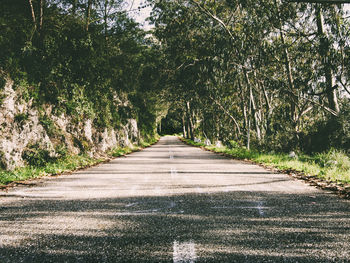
{"x":25,"y":128}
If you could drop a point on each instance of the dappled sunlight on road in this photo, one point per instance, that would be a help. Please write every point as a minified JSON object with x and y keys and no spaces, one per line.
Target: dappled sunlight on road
{"x":172,"y":211}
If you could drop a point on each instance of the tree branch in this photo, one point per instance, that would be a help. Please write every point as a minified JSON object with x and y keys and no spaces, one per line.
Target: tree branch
{"x":323,"y":92}
{"x":207,"y":12}
{"x":344,"y":86}
{"x":227,"y":113}
{"x":334,"y":113}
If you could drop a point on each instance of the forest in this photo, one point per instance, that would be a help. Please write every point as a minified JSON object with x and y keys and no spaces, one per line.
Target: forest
{"x":263,"y":75}
{"x":76,"y":54}
{"x":266,"y":74}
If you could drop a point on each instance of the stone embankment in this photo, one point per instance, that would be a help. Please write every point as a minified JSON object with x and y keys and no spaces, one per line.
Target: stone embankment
{"x":26,"y":129}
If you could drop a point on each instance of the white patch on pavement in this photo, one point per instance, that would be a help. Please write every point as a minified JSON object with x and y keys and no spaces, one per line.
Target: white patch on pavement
{"x":184,"y":252}
{"x":259,"y":206}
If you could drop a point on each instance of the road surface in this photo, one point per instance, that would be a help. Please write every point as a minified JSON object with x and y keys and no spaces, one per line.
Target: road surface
{"x":173,"y":203}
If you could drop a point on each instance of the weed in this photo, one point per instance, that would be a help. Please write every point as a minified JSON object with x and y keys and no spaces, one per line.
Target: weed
{"x":35,"y":156}
{"x":20,"y":118}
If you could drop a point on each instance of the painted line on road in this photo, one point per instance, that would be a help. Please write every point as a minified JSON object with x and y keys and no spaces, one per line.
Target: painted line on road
{"x":173,"y":173}
{"x":261,"y":208}
{"x":171,"y":154}
{"x":131,"y":204}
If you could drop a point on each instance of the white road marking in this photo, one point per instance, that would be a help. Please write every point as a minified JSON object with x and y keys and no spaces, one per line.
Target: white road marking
{"x":260,"y":208}
{"x":131,"y":204}
{"x":184,"y":252}
{"x":173,"y":172}
{"x":171,"y":154}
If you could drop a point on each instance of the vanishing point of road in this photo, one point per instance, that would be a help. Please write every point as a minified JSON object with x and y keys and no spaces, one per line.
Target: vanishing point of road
{"x":173,"y":203}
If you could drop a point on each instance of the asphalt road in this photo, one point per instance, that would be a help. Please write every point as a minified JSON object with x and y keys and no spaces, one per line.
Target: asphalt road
{"x":173,"y":203}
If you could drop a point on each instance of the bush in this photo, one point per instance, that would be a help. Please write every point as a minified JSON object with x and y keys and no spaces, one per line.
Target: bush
{"x":333,"y":132}
{"x":48,"y":125}
{"x":333,"y":158}
{"x":21,"y":118}
{"x":2,"y":83}
{"x":35,"y":156}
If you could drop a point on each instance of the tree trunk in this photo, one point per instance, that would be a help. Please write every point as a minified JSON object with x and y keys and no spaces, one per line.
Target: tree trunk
{"x":160,"y":126}
{"x":246,"y":124}
{"x":184,"y":126}
{"x":189,"y":120}
{"x":42,"y":4}
{"x":88,"y":14}
{"x":324,"y":52}
{"x":288,"y":67}
{"x":188,"y":133}
{"x":33,"y":13}
{"x":252,"y":107}
{"x":74,"y":7}
{"x":227,"y":113}
{"x":287,"y":64}
{"x":268,"y":110}
{"x":105,"y":17}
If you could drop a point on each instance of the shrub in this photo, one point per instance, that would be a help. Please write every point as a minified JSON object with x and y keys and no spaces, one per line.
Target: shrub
{"x":34,"y":155}
{"x":48,"y":125}
{"x":20,"y":118}
{"x":333,"y":158}
{"x":2,"y":83}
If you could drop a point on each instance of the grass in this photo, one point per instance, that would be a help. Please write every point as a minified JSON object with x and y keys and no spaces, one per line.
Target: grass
{"x":67,"y":164}
{"x":333,"y":165}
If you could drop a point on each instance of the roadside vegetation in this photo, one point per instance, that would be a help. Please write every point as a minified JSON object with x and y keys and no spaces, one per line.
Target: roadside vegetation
{"x":66,"y":164}
{"x":264,"y":79}
{"x":271,"y":76}
{"x":333,"y":165}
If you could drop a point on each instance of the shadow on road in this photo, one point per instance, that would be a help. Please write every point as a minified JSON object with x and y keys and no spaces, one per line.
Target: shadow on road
{"x":224,"y":227}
